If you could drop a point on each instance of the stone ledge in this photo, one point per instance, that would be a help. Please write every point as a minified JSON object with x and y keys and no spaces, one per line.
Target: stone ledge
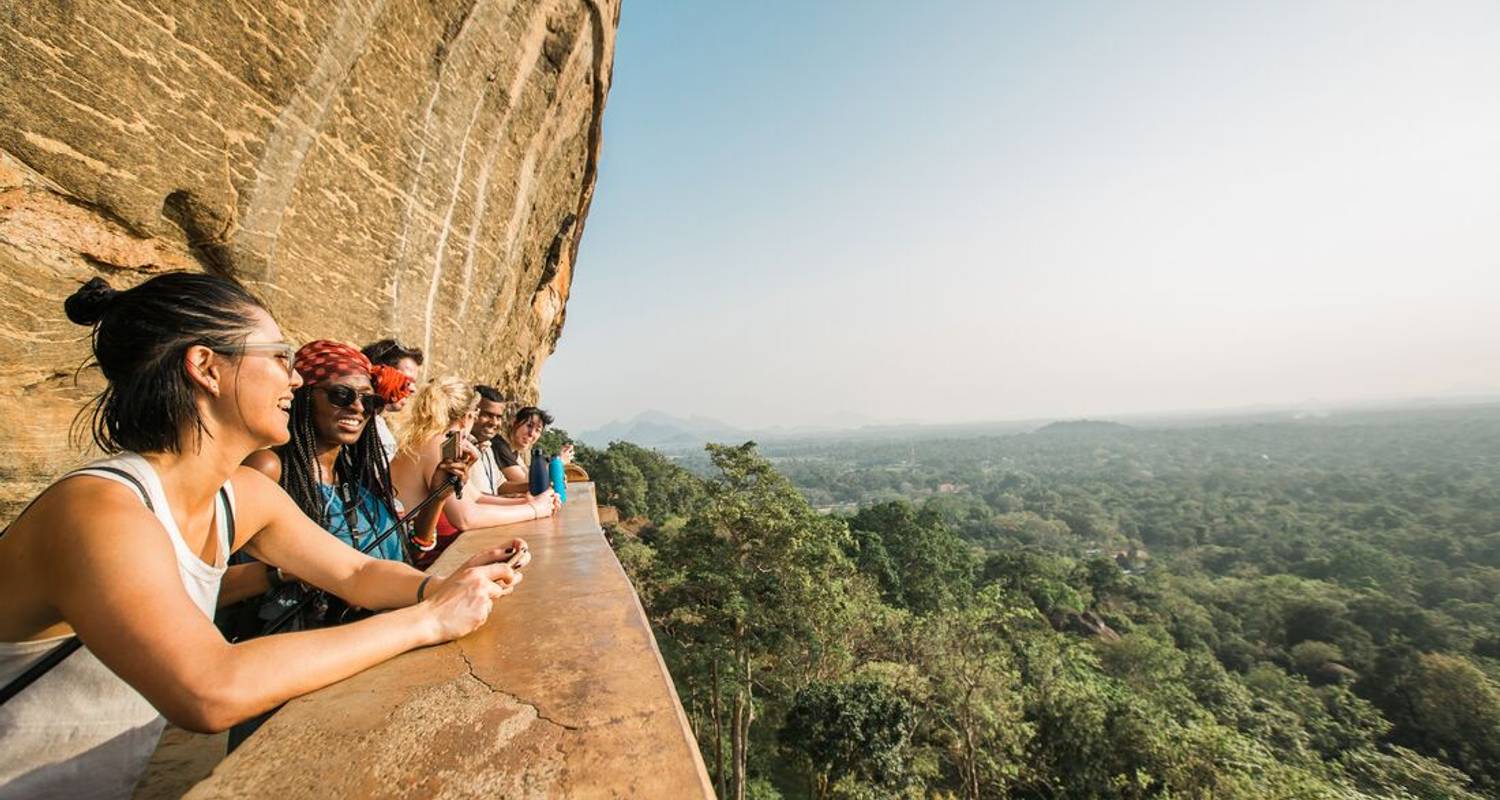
{"x":562,"y":693}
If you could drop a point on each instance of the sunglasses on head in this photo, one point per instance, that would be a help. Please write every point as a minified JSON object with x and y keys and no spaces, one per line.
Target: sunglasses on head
{"x":342,"y":396}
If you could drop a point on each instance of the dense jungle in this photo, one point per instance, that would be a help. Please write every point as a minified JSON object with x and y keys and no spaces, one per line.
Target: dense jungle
{"x":1273,"y":608}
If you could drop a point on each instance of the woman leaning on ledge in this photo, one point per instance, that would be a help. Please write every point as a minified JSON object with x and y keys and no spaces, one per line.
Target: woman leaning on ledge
{"x":128,"y":553}
{"x":443,"y":406}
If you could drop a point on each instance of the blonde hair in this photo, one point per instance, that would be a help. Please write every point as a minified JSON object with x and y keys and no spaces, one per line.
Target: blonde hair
{"x":438,"y":404}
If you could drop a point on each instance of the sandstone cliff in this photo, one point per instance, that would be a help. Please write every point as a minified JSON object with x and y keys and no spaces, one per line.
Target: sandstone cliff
{"x":417,"y":168}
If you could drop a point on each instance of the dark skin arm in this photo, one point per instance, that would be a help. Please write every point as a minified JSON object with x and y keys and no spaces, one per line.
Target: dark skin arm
{"x":244,"y":581}
{"x":249,"y":580}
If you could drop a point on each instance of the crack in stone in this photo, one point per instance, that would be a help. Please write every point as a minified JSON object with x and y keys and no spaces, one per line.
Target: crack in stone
{"x":469,"y":664}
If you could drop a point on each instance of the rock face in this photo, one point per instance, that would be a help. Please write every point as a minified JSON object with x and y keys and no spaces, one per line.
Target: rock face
{"x":415,"y":168}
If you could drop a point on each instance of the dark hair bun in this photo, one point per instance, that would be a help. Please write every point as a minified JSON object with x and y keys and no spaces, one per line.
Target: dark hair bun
{"x":88,"y":304}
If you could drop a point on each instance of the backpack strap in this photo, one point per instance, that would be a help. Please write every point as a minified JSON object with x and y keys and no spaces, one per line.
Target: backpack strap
{"x":226,"y":507}
{"x":56,"y":655}
{"x":53,"y":657}
{"x":350,"y":498}
{"x":140,"y":488}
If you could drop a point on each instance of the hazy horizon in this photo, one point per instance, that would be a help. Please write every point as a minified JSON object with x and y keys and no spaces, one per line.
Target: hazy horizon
{"x":987,"y":212}
{"x":1416,"y":403}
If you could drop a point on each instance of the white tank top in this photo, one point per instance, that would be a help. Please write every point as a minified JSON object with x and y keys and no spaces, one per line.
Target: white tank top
{"x":80,"y":731}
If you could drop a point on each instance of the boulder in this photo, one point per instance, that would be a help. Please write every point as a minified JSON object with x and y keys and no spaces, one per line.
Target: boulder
{"x":411,"y":168}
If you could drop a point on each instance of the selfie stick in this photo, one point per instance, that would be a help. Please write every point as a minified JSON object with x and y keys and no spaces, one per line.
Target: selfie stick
{"x":369,"y":547}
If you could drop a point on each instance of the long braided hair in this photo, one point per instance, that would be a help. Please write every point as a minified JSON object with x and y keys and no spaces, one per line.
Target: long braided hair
{"x":361,"y":464}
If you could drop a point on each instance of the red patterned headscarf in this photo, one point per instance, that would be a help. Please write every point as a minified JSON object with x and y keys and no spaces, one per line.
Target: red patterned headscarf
{"x":324,"y":359}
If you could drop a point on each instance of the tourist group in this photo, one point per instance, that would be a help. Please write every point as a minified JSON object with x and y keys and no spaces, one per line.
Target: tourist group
{"x":257,"y":528}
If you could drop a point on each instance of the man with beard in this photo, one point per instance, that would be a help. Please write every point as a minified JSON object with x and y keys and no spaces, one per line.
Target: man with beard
{"x":486,"y":474}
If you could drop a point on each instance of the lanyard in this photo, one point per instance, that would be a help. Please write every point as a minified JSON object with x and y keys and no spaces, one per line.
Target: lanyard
{"x":347,"y":494}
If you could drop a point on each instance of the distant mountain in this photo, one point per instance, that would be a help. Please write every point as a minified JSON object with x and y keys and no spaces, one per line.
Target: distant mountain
{"x":1083,"y":426}
{"x":662,"y":430}
{"x":667,"y":432}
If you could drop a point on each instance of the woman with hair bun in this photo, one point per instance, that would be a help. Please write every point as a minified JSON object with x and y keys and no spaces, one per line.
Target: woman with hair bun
{"x":443,"y":406}
{"x":127,"y":553}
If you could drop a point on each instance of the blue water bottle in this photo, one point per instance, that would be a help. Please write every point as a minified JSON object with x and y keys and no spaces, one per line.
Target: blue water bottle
{"x":560,"y":478}
{"x":538,"y":475}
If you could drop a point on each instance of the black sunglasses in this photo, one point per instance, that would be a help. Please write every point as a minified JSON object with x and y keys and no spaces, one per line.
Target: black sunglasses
{"x":342,"y":396}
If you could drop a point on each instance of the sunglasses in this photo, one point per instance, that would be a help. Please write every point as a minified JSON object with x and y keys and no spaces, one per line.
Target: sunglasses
{"x":342,"y":396}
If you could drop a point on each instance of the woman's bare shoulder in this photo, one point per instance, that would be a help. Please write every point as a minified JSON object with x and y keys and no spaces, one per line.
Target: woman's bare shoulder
{"x":75,"y":512}
{"x":420,"y":455}
{"x":257,"y":493}
{"x":83,"y":493}
{"x":265,"y":462}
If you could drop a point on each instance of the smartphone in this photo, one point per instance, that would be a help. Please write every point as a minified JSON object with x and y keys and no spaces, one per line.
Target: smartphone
{"x":452,"y":451}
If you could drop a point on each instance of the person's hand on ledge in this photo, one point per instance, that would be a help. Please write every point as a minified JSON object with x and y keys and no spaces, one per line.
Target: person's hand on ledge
{"x":545,"y":503}
{"x":518,"y":545}
{"x":463,"y":600}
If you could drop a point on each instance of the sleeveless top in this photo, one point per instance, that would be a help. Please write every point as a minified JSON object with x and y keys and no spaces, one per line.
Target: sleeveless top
{"x":371,"y":518}
{"x":80,"y":731}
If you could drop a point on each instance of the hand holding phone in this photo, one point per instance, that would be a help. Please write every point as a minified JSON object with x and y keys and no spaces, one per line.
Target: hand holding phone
{"x":452,"y":446}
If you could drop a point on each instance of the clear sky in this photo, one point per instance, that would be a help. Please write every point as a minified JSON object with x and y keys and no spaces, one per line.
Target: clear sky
{"x":815,"y":212}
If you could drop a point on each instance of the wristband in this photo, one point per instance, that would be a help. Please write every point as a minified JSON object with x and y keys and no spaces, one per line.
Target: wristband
{"x":422,"y":588}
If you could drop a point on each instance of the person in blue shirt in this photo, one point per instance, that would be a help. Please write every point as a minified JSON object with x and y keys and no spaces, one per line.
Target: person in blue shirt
{"x":334,"y":466}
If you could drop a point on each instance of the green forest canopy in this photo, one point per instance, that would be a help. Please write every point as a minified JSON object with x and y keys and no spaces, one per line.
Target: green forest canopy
{"x":1297,"y":609}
